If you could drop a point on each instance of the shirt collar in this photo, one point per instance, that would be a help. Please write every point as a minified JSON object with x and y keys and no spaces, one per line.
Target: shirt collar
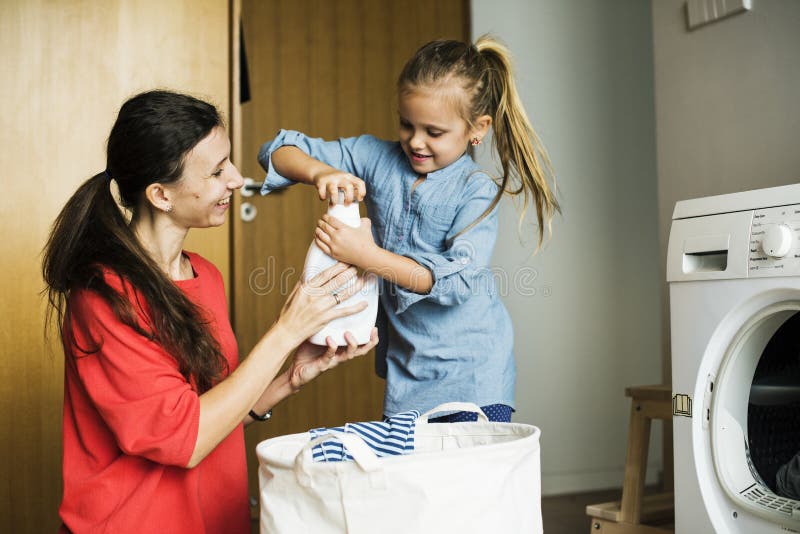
{"x":455,"y":166}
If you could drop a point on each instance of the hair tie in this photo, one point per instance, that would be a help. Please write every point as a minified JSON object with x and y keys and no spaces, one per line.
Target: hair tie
{"x":107,"y":174}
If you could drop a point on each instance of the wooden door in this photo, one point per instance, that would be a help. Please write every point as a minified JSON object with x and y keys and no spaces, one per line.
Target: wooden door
{"x":327,"y":69}
{"x":67,"y":67}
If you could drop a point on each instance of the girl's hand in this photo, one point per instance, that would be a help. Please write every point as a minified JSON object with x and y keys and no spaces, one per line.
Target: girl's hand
{"x":343,"y":242}
{"x":310,"y":361}
{"x":311,"y":304}
{"x":330,"y":181}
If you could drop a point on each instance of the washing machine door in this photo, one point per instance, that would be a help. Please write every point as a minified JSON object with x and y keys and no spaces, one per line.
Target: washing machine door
{"x":754,"y":420}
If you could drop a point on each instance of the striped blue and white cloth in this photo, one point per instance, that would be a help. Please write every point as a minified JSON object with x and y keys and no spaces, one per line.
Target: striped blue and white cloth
{"x":394,"y":436}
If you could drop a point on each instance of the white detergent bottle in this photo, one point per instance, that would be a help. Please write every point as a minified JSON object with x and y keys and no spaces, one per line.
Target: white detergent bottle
{"x":360,"y":324}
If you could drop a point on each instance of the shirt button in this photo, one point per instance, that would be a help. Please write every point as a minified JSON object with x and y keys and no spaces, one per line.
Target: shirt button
{"x":464,"y":261}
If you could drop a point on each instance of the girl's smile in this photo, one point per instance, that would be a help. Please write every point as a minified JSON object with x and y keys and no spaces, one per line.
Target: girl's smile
{"x":419,"y":157}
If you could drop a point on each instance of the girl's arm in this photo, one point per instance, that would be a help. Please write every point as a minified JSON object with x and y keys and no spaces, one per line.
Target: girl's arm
{"x":356,"y":246}
{"x":349,"y":245}
{"x":293,"y":163}
{"x":399,"y":270}
{"x":448,"y":277}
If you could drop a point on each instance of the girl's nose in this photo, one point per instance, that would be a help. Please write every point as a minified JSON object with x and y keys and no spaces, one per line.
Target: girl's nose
{"x":416,"y":141}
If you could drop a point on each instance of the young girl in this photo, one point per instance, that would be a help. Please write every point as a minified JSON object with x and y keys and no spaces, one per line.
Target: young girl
{"x":445,"y":335}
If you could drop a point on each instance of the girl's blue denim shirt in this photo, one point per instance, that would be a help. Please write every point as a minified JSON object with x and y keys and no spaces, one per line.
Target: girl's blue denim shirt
{"x":454,"y":343}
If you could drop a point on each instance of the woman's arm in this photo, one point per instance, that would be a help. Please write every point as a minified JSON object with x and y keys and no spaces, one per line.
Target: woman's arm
{"x":309,"y":307}
{"x":308,"y":362}
{"x":225,"y":405}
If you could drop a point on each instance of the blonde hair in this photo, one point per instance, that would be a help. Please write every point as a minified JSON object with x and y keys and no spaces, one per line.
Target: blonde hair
{"x":485,"y":74}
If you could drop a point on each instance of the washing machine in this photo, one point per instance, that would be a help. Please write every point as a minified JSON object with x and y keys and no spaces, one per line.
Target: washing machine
{"x":733,"y":268}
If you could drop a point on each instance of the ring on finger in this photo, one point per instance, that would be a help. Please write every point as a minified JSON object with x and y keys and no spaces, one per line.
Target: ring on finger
{"x":336,"y":297}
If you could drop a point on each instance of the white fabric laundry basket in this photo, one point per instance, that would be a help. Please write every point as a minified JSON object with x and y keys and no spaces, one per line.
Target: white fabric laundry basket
{"x":463,"y":478}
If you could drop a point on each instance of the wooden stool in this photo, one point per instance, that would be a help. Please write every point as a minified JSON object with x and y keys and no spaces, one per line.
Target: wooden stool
{"x":625,"y":516}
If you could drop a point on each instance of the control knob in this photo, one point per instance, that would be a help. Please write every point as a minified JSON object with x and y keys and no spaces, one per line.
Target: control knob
{"x":777,"y":241}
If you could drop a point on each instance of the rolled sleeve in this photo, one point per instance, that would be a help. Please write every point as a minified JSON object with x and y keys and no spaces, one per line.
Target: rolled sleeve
{"x":273,"y":180}
{"x":462,"y":270}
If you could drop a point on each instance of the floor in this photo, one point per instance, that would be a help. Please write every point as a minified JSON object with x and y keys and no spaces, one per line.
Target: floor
{"x":566,"y":514}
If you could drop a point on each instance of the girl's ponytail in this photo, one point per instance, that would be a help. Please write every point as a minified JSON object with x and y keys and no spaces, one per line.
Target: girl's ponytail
{"x":518,"y":147}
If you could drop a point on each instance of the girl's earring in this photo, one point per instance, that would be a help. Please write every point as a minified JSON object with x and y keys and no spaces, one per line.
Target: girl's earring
{"x":168,"y":208}
{"x":475,"y":141}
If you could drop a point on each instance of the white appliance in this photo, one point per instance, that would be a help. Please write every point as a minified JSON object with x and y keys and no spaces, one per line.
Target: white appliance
{"x":733,"y":268}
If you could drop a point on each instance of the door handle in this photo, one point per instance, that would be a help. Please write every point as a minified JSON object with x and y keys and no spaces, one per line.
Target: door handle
{"x":250,"y":187}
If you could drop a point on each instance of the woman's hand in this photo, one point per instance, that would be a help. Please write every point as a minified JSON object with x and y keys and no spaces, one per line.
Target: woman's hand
{"x":310,"y":361}
{"x":312,"y":304}
{"x":330,"y":181}
{"x":345,"y":243}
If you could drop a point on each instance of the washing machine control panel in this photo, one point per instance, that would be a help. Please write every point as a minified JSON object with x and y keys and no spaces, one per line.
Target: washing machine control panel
{"x":775,"y":242}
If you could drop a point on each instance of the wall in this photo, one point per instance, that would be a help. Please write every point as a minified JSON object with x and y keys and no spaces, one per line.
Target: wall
{"x":592,"y":325}
{"x":67,"y":66}
{"x":726,"y":104}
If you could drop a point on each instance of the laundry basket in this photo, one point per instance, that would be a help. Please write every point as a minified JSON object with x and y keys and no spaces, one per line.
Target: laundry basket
{"x":475,"y":477}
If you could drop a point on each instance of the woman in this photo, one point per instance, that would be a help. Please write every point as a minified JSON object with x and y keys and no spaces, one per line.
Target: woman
{"x":155,"y":399}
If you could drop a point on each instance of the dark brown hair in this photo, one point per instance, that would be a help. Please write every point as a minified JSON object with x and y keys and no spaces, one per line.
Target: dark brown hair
{"x":485,"y":76}
{"x":148,"y":143}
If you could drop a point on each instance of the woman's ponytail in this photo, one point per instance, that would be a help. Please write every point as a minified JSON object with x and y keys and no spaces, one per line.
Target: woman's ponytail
{"x":76,"y":238}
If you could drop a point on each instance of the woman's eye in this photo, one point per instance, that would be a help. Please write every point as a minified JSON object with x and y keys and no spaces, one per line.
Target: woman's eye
{"x":217,"y":174}
{"x":435,"y":134}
